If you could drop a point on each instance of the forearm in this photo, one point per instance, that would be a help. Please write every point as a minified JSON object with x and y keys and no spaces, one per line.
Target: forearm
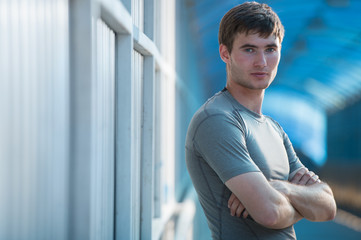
{"x":286,"y":214}
{"x":314,"y":202}
{"x":266,"y":205}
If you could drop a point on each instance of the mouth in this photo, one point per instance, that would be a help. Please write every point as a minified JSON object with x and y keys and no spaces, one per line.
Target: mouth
{"x":259,"y":74}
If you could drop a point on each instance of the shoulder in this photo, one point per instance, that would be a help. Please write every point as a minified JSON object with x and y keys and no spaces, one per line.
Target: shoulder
{"x":217,"y":107}
{"x":214,"y":115}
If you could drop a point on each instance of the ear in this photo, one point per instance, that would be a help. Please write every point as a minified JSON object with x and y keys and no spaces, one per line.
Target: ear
{"x":223,"y":52}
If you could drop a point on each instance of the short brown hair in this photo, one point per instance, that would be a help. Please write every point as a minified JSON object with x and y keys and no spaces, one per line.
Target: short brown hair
{"x":249,"y":17}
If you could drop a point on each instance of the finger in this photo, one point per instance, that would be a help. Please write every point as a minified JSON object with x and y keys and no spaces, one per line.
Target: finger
{"x":239,"y":210}
{"x":245,"y":214}
{"x":307,"y":176}
{"x":231,"y":199}
{"x":299,"y":175}
{"x":313,"y":180}
{"x":234,"y":206}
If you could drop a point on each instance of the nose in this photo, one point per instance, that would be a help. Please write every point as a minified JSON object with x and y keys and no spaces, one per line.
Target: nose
{"x":260,"y":60}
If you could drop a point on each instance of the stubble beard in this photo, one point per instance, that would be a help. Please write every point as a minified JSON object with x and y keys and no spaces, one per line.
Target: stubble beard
{"x":249,"y":83}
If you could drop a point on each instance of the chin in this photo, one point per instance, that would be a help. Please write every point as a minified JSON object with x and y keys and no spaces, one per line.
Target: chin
{"x":267,"y":84}
{"x":262,"y":86}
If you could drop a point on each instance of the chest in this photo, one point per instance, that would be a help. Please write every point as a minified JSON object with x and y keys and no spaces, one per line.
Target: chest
{"x":265,"y":146}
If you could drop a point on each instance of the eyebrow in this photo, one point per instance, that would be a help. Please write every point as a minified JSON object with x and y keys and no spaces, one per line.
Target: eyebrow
{"x":247,"y":45}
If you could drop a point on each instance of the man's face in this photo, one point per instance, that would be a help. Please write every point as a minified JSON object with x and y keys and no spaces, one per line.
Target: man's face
{"x":253,"y":61}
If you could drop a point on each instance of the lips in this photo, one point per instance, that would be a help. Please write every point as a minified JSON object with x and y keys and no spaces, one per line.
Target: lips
{"x":259,"y":74}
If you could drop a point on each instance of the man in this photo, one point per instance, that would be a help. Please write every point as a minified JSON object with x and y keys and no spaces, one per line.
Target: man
{"x":248,"y":178}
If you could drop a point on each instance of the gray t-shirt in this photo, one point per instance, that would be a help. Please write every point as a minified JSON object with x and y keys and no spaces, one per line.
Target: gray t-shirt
{"x":224,"y":140}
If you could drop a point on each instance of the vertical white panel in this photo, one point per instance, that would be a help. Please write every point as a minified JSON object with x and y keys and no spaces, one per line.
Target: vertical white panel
{"x":148,"y":121}
{"x":34,"y":131}
{"x":103,"y":132}
{"x":157,"y":148}
{"x":168,"y":106}
{"x":138,"y":14}
{"x":124,"y":135}
{"x":147,"y":157}
{"x":5,"y":120}
{"x":137,"y":108}
{"x":157,"y":23}
{"x":149,"y":19}
{"x":167,"y":143}
{"x":81,"y":59}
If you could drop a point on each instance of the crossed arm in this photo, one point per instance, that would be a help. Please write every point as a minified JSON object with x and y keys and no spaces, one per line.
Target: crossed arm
{"x":279,"y":204}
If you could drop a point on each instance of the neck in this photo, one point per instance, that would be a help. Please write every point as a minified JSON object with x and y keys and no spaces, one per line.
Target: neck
{"x":250,"y":98}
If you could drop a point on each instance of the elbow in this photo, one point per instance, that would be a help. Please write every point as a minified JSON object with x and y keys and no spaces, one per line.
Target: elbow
{"x":332,"y":216}
{"x":270,"y":219}
{"x":271,"y":222}
{"x":328,"y":207}
{"x":329,"y":213}
{"x":332,"y":211}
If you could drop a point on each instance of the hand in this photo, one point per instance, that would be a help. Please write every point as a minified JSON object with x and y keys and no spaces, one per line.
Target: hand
{"x":305,"y":177}
{"x":236,"y":207}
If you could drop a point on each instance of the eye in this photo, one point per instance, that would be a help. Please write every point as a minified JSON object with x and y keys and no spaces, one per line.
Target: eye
{"x":270,"y":50}
{"x":249,"y":50}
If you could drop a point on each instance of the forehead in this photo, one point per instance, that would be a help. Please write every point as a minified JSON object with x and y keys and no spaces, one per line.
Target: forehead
{"x":255,"y":39}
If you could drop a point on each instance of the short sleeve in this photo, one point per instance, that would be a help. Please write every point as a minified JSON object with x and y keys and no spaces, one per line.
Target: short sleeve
{"x":220,"y":140}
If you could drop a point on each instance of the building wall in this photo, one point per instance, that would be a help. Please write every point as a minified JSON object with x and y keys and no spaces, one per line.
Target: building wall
{"x":34,"y":122}
{"x":96,"y":96}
